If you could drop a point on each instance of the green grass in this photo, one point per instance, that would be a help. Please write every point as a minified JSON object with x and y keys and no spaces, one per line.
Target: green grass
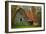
{"x":23,"y":26}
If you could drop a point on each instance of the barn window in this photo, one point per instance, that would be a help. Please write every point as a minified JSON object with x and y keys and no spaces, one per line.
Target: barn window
{"x":20,"y":19}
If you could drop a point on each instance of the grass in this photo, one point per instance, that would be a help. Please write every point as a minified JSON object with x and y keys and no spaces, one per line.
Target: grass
{"x":24,"y":26}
